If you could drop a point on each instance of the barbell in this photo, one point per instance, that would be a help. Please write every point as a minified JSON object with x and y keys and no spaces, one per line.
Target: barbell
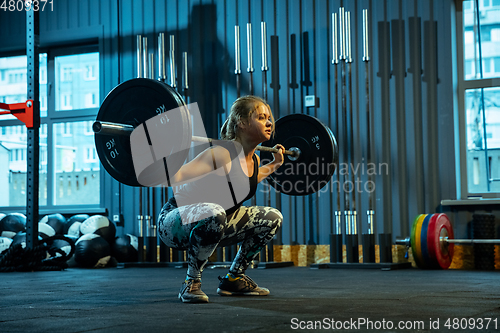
{"x":432,"y":241}
{"x":104,"y":127}
{"x":136,"y":105}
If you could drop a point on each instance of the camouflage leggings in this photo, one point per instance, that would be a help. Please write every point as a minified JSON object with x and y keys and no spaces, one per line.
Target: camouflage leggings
{"x":201,"y":228}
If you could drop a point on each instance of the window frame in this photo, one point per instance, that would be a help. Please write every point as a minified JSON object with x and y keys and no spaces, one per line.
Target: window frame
{"x":64,"y":116}
{"x":462,"y":86}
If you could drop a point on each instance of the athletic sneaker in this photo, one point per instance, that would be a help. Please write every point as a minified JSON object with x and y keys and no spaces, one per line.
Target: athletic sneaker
{"x":240,"y":285}
{"x":191,"y":292}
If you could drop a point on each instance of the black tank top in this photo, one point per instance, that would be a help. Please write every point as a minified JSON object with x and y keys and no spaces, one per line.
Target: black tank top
{"x":213,"y":188}
{"x":253,"y":185}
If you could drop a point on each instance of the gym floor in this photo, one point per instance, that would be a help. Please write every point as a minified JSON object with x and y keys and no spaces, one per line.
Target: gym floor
{"x":145,"y":300}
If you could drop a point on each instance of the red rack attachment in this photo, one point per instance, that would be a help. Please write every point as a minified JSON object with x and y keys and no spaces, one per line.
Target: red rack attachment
{"x":22,"y":111}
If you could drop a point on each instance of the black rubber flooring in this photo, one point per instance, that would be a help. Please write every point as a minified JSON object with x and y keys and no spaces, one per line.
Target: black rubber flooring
{"x":348,"y":300}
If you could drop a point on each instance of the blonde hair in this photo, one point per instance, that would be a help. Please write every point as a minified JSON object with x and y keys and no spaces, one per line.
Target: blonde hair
{"x":241,"y":110}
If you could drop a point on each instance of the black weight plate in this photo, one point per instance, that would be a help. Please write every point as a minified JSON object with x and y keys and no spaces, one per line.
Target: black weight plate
{"x":132,"y":102}
{"x":335,"y":146}
{"x":317,"y":162}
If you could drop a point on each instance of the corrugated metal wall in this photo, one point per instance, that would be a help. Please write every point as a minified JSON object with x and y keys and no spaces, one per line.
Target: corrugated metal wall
{"x":410,"y":80}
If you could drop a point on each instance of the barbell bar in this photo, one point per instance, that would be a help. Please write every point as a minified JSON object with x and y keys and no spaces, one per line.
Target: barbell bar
{"x":432,"y":241}
{"x":407,"y":241}
{"x":130,"y":106}
{"x":109,"y":128}
{"x":470,"y":241}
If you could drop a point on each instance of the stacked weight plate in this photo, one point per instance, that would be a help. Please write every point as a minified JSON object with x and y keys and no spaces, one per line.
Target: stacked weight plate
{"x":429,"y":248}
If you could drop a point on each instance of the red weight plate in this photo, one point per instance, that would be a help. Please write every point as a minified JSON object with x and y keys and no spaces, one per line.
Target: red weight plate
{"x":443,"y":251}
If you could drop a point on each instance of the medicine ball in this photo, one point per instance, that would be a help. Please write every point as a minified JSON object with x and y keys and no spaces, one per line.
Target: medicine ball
{"x":72,"y":226}
{"x":56,"y":221}
{"x":20,"y":238}
{"x":125,"y":248}
{"x":60,"y":247}
{"x":71,"y":261}
{"x":92,"y":250}
{"x":74,"y":229}
{"x":11,"y":224}
{"x":99,"y":225}
{"x":45,"y":230}
{"x":4,"y":243}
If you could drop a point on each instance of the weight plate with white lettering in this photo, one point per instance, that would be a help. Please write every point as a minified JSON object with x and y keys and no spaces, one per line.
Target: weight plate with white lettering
{"x":132,"y":103}
{"x":317,"y":161}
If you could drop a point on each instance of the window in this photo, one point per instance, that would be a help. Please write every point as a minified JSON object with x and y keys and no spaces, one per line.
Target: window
{"x":90,"y":155}
{"x":485,"y":34}
{"x":65,"y":102}
{"x":43,"y":156}
{"x":90,"y":100}
{"x":75,"y":159}
{"x":495,"y":34}
{"x":43,"y":104}
{"x":13,"y":156}
{"x":487,"y":66}
{"x":65,"y":129}
{"x":479,"y":98}
{"x":66,"y":74}
{"x":16,"y":78}
{"x":43,"y":131}
{"x":76,"y":77}
{"x":89,"y":73}
{"x":16,"y":155}
{"x":87,"y":128}
{"x":469,"y":37}
{"x":43,"y":69}
{"x":496,"y":64}
{"x":13,"y":85}
{"x":69,"y":169}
